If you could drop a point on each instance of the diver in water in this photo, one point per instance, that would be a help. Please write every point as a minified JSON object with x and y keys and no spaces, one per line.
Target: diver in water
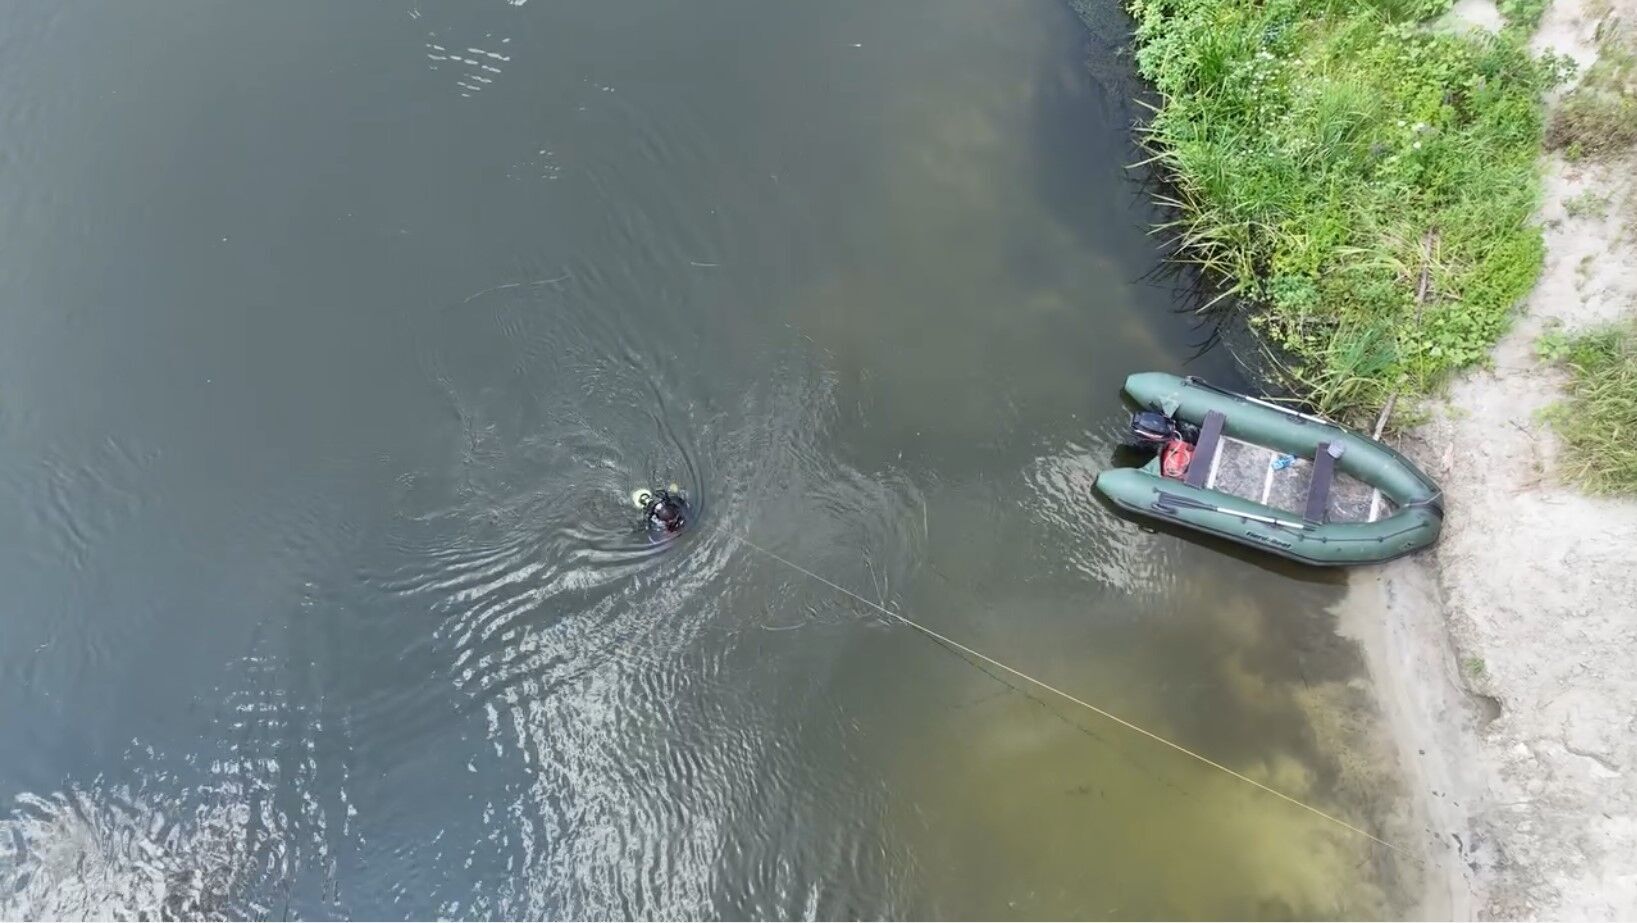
{"x":664,"y":512}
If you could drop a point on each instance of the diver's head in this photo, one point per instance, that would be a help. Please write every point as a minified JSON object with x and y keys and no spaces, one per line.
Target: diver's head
{"x":666,"y":513}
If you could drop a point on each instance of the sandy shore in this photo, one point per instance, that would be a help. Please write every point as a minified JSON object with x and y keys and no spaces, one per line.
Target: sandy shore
{"x":1505,"y":661}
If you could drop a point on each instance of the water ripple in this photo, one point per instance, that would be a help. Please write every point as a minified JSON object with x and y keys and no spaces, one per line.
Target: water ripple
{"x":608,"y":671}
{"x":1139,"y":564}
{"x":226,"y":834}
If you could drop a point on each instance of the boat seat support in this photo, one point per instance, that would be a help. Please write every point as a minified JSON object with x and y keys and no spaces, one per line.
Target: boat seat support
{"x":1210,"y":436}
{"x":1318,"y":490}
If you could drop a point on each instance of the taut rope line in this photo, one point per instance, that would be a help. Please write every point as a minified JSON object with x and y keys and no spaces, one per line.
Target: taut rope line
{"x":945,"y":639}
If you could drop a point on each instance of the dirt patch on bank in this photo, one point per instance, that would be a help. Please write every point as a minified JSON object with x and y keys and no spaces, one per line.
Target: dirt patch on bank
{"x":1505,"y":662}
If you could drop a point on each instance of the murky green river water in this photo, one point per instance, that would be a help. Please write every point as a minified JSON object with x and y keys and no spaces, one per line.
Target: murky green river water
{"x":333,"y":337}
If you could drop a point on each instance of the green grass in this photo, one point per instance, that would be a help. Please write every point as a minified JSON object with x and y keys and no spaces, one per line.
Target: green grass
{"x":1598,"y":117}
{"x":1597,"y":422}
{"x":1321,"y":152}
{"x":1522,"y":14}
{"x":1587,"y":205}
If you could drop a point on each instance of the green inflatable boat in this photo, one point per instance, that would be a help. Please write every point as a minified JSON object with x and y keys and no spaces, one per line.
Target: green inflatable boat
{"x":1271,"y":478}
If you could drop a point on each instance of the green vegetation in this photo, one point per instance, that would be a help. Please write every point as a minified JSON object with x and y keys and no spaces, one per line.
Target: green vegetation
{"x":1587,"y":204}
{"x":1599,"y":116}
{"x":1522,"y":14}
{"x":1598,"y":420}
{"x":1474,"y":667}
{"x":1360,"y":178}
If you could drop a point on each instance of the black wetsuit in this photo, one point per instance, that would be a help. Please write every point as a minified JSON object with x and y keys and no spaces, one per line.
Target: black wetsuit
{"x":665,"y":513}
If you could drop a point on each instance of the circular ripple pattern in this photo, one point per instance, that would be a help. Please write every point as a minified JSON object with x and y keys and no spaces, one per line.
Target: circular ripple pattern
{"x":604,"y":672}
{"x":324,"y":593}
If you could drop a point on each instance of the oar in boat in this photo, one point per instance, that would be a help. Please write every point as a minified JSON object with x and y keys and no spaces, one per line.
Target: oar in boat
{"x":1168,"y":499}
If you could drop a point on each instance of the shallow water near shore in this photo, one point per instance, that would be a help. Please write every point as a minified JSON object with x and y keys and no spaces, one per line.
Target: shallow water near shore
{"x":336,"y":337}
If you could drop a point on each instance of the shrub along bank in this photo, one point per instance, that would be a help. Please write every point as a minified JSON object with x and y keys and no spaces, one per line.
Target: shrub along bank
{"x":1359,"y":175}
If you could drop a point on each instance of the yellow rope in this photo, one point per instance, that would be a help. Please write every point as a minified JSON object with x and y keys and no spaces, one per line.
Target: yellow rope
{"x":1075,"y":699}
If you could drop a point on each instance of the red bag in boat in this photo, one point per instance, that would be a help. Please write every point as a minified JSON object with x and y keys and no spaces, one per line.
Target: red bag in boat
{"x":1175,"y":457}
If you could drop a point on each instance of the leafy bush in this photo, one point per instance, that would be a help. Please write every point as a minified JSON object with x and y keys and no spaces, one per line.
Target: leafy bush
{"x":1324,"y":153}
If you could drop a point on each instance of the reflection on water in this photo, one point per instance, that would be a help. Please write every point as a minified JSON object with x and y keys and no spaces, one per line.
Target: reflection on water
{"x":233,"y":831}
{"x":324,"y":390}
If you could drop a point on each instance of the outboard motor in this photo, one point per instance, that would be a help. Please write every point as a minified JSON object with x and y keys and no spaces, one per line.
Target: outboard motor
{"x":1151,"y":429}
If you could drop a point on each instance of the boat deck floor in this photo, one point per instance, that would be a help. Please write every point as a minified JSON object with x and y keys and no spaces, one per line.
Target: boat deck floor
{"x":1247,"y":470}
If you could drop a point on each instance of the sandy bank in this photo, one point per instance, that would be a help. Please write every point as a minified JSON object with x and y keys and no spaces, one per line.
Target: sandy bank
{"x":1505,"y":661}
